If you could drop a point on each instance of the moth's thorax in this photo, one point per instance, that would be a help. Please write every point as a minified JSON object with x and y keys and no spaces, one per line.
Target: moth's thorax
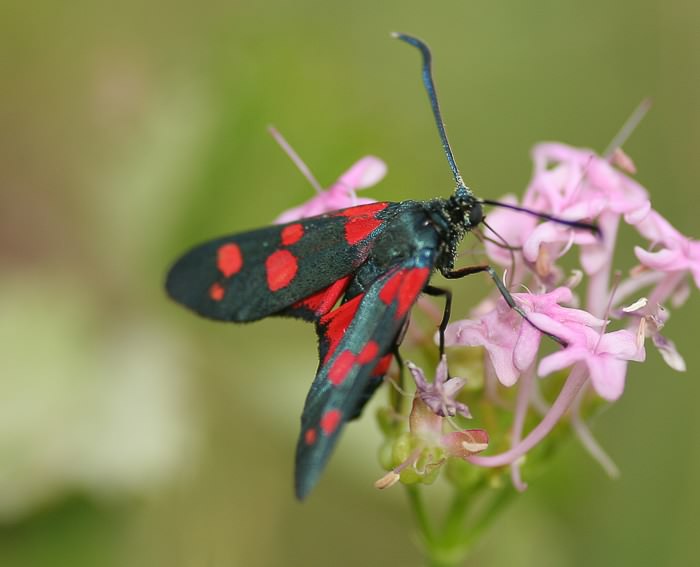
{"x":408,"y":230}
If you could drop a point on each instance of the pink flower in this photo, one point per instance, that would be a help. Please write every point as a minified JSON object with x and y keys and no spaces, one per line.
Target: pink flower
{"x":577,"y":184}
{"x":365,"y":173}
{"x":678,"y":253}
{"x":510,"y":341}
{"x":605,"y":356}
{"x":514,"y":227}
{"x":439,"y":395}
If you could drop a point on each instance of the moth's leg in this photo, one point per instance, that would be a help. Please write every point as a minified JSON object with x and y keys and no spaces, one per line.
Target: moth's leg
{"x":503,"y":290}
{"x":447,"y":294}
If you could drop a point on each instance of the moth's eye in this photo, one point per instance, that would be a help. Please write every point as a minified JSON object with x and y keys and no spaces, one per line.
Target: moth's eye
{"x":476,"y":214}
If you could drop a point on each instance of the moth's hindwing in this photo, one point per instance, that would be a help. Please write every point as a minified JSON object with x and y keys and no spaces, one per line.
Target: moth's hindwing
{"x":356,"y":344}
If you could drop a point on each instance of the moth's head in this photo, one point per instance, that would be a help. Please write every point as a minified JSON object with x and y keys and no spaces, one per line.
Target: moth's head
{"x":470,"y":208}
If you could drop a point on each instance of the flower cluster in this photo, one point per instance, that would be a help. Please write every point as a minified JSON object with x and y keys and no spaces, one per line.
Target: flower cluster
{"x":576,"y":185}
{"x":599,"y":330}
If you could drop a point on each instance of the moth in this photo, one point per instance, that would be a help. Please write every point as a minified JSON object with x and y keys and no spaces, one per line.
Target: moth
{"x":354,"y":273}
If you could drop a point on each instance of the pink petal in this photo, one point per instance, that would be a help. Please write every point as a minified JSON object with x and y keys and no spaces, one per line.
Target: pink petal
{"x":544,"y":234}
{"x":366,"y":172}
{"x":602,"y":175}
{"x":526,"y":347}
{"x":560,"y":360}
{"x":665,"y":260}
{"x":656,"y":229}
{"x":695,"y":270}
{"x":638,"y":215}
{"x":607,"y":376}
{"x":513,"y":226}
{"x":594,"y":258}
{"x":464,"y":443}
{"x":620,"y":344}
{"x":498,"y":341}
{"x":502,"y":360}
{"x":296,"y":213}
{"x":547,"y":152}
{"x":571,"y":332}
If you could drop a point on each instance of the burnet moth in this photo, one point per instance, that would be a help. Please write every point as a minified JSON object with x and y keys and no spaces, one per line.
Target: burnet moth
{"x":355,"y":273}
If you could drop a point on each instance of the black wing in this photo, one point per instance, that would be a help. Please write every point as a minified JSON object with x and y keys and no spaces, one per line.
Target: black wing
{"x":296,"y":269}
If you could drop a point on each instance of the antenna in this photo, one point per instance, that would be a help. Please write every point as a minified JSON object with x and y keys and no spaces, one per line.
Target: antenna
{"x":432,"y":95}
{"x":595,"y":229}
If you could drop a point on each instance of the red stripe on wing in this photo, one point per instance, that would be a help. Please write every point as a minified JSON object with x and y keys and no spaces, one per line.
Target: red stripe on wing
{"x":324,"y":300}
{"x":333,"y":325}
{"x":403,"y":287}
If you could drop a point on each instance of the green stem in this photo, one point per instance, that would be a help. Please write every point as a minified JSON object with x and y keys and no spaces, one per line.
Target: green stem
{"x":419,"y":511}
{"x":453,"y":528}
{"x":452,"y":545}
{"x":490,"y":512}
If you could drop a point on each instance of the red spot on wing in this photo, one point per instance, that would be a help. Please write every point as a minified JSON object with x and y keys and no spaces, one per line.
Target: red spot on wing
{"x":292,"y":234}
{"x":335,"y":323}
{"x":323,"y":301}
{"x":368,"y":353}
{"x":216,"y":292}
{"x":359,"y":228}
{"x":383,"y":365}
{"x":310,"y":436}
{"x":330,"y":420}
{"x":229,"y":259}
{"x":341,"y":367}
{"x":360,"y":210}
{"x":404,"y":287}
{"x":281,"y":267}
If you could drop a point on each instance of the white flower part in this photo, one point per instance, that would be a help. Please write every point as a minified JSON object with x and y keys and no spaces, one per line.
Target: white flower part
{"x":387,"y":481}
{"x":636,"y":306}
{"x":474,"y":447}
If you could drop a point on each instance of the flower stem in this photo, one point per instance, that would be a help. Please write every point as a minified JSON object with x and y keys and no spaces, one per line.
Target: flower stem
{"x":573,"y":384}
{"x":471,"y":513}
{"x":498,"y":501}
{"x":453,"y":528}
{"x":421,"y":515}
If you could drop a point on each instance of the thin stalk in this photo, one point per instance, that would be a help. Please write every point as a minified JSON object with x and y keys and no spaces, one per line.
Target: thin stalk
{"x":416,"y":501}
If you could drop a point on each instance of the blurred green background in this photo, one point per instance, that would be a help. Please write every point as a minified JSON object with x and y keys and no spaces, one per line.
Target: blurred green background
{"x":131,"y":432}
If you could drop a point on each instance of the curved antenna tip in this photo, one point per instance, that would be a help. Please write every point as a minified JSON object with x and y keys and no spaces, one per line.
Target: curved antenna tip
{"x":410,"y":39}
